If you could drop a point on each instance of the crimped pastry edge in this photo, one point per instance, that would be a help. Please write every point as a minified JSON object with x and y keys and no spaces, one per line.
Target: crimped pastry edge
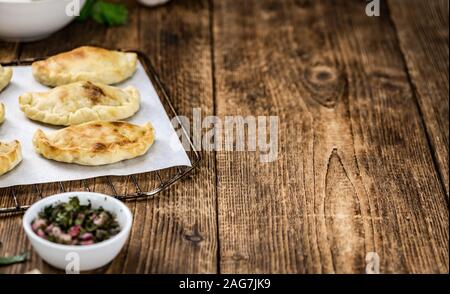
{"x":53,"y":79}
{"x":9,"y":160}
{"x":2,"y":113}
{"x":114,"y":154}
{"x":82,"y":115}
{"x":5,"y":77}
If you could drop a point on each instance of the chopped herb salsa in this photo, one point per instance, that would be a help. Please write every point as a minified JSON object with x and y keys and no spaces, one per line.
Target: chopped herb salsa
{"x":72,"y":223}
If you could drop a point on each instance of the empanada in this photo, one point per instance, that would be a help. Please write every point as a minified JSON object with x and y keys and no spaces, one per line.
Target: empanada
{"x":10,"y":156}
{"x":85,"y":64}
{"x":2,"y":113}
{"x":95,"y":143}
{"x":5,"y":77}
{"x":80,"y":102}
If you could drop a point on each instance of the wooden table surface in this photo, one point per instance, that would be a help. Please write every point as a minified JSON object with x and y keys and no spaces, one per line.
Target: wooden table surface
{"x":363,"y":137}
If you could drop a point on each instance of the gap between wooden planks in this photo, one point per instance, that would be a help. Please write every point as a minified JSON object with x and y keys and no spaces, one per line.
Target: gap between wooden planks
{"x":422,"y":28}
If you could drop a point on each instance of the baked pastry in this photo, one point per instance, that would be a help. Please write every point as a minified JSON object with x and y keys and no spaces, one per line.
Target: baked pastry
{"x":80,"y":102}
{"x":2,"y":113}
{"x":10,"y":156}
{"x":95,"y":143}
{"x":5,"y":77}
{"x":85,"y":64}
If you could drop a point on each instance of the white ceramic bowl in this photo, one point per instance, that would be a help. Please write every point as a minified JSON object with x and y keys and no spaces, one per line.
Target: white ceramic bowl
{"x":31,"y":20}
{"x":90,"y":256}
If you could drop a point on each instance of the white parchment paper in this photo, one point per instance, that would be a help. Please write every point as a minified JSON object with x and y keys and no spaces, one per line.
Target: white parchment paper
{"x":166,"y":151}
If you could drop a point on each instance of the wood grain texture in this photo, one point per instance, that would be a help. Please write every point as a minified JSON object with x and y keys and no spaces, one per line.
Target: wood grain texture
{"x":422,"y":28}
{"x":180,"y":232}
{"x":354,"y":173}
{"x":8,"y":51}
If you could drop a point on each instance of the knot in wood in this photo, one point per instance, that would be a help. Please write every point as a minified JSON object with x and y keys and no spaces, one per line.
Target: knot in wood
{"x":326,"y":84}
{"x":322,"y":75}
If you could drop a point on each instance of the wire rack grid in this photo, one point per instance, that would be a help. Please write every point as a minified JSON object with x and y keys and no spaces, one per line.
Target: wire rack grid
{"x":139,"y":193}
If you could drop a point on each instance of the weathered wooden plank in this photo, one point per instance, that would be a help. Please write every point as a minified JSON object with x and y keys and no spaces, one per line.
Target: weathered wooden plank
{"x":8,"y":51}
{"x":354,"y":173}
{"x":180,"y":235}
{"x":352,"y":176}
{"x":422,"y":28}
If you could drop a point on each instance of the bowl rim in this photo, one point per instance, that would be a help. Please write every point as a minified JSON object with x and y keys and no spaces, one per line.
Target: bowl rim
{"x":53,"y":198}
{"x":29,"y":2}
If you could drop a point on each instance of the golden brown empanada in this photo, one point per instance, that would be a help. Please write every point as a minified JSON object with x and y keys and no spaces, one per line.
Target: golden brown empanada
{"x":85,"y":64}
{"x":2,"y":113}
{"x":95,"y":143}
{"x":10,"y":156}
{"x":5,"y":76}
{"x":80,"y":102}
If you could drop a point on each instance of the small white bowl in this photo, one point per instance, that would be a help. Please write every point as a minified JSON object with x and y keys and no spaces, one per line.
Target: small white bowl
{"x":32,"y":20}
{"x":90,"y":256}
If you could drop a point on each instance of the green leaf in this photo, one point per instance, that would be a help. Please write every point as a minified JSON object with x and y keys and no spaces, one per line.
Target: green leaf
{"x":13,"y":259}
{"x":86,"y":11}
{"x":73,"y":204}
{"x":109,"y":14}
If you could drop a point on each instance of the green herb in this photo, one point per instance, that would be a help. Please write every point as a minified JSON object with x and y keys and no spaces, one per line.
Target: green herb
{"x":75,"y":224}
{"x":109,"y":14}
{"x":86,"y":11}
{"x":13,"y":259}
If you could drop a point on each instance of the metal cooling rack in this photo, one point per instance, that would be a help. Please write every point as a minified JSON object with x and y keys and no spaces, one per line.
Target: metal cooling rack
{"x":138,"y":194}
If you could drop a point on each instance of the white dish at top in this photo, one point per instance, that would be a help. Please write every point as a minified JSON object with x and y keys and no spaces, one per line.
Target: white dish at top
{"x":31,"y":20}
